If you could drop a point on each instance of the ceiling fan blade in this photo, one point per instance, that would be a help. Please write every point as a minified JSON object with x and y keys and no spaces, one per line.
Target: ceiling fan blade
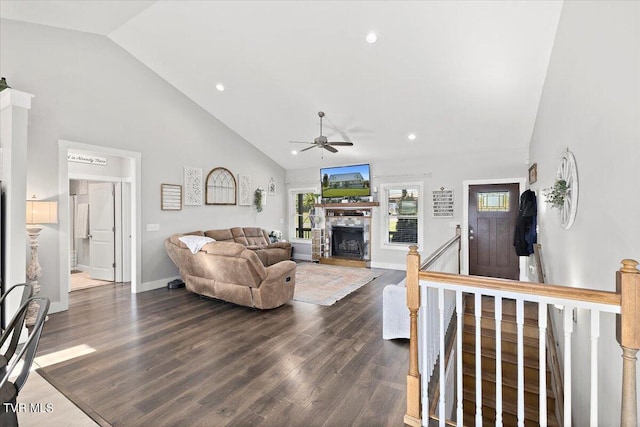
{"x":309,"y":148}
{"x":301,"y":142}
{"x":343,"y":143}
{"x":329,"y":148}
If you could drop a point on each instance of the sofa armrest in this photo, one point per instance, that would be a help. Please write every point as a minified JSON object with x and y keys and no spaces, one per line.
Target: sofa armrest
{"x":278,"y":270}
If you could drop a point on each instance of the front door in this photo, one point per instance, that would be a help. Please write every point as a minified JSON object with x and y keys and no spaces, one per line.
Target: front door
{"x":493,"y":211}
{"x":102,"y":231}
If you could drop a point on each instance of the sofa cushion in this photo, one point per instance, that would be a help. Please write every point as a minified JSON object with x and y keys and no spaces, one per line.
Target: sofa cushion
{"x":220,"y":235}
{"x":256,"y":237}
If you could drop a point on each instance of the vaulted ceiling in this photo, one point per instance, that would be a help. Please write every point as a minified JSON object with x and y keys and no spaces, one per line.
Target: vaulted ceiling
{"x":459,"y":75}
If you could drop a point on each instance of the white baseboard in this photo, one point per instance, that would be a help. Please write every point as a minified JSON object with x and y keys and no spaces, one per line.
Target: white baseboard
{"x":156,"y":284}
{"x":303,"y":257}
{"x":83,"y":267}
{"x":388,"y":265}
{"x":56,"y":307}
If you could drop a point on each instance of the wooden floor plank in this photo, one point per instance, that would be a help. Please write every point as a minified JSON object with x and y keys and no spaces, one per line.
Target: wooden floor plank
{"x":171,"y":358}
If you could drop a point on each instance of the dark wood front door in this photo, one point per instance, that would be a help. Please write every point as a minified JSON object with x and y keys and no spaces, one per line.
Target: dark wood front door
{"x":493,"y":211}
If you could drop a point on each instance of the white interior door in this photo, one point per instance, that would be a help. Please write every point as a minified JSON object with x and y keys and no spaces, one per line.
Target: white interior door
{"x":102,"y":231}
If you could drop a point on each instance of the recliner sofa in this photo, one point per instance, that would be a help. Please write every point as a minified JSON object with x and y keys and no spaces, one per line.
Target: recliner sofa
{"x":232,"y":272}
{"x":256,"y":239}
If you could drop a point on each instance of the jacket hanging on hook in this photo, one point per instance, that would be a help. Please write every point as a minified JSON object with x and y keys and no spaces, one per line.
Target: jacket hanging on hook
{"x":525,"y":232}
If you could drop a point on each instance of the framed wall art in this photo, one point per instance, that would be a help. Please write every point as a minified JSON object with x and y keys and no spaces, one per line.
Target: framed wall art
{"x":192,"y":186}
{"x":170,"y":197}
{"x":533,"y":173}
{"x":221,"y":187}
{"x":245,"y":194}
{"x":271,"y":188}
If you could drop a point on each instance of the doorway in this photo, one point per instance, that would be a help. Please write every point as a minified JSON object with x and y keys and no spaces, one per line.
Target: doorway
{"x":490,"y":209}
{"x":127,"y":193}
{"x":93,"y":229}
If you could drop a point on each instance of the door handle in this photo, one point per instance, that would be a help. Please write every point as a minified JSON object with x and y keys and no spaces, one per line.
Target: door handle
{"x":89,"y":236}
{"x":471,"y":237}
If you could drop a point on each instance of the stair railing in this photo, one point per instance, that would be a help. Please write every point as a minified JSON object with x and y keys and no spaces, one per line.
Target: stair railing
{"x":625,"y":303}
{"x":445,"y":258}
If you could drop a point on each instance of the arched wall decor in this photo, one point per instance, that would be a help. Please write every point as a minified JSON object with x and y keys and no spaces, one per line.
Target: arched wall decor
{"x":220,"y":187}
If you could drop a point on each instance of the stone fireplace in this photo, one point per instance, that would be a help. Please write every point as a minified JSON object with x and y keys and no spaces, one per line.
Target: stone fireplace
{"x":344,"y":237}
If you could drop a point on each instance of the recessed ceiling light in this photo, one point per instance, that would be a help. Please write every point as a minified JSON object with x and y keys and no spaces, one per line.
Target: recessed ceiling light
{"x":372,"y":37}
{"x":411,"y":136}
{"x":220,"y":87}
{"x":294,"y":152}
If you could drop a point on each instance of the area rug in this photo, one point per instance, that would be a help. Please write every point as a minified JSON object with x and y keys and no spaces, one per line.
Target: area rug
{"x":325,"y":284}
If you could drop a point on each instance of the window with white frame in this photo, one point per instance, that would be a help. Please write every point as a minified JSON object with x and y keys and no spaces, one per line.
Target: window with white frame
{"x":402,"y":211}
{"x":302,"y":210}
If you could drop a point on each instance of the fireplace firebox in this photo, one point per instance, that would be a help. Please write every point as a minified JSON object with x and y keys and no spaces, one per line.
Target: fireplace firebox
{"x":348,"y":242}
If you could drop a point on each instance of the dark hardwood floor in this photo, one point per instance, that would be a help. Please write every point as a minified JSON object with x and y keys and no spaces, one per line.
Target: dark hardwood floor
{"x":172,"y":358}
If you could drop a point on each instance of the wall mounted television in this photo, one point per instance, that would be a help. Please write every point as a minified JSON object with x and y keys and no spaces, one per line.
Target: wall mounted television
{"x":345,"y":181}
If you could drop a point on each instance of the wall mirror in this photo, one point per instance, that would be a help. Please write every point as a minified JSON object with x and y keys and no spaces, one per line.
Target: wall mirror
{"x":220,"y":187}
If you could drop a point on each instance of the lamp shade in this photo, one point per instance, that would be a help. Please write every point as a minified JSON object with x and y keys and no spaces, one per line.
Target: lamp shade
{"x":42,"y":212}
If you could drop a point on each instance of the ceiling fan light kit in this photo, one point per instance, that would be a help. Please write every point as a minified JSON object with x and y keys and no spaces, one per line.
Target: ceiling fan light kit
{"x":322,"y":141}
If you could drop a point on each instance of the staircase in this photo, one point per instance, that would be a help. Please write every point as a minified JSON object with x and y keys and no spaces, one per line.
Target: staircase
{"x":509,"y":365}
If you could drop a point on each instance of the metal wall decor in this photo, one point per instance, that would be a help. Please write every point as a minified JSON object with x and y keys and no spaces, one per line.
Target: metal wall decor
{"x":220,"y":187}
{"x":568,"y":172}
{"x":271,"y":189}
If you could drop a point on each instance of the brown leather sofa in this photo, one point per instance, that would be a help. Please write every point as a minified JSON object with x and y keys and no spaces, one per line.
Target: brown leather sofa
{"x":231,"y":272}
{"x":256,"y":239}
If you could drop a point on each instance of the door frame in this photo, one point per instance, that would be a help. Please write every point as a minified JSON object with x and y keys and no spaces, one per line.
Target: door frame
{"x":122,"y":222}
{"x":135,"y":200}
{"x":464,"y":261}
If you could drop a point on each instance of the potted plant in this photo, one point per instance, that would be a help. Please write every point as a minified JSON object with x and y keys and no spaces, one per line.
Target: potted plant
{"x":556,"y":194}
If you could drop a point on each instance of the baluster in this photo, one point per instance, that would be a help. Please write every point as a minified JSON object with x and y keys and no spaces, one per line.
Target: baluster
{"x":520,"y":327}
{"x":412,"y":417}
{"x":498,"y":318}
{"x":542,"y":360}
{"x":443,"y":362}
{"x":595,"y":333}
{"x":478,"y":314}
{"x":459,"y":314}
{"x":628,"y":335}
{"x":568,"y":330}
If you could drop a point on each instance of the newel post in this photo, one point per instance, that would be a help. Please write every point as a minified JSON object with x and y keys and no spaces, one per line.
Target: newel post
{"x":628,"y":335}
{"x":413,"y":415}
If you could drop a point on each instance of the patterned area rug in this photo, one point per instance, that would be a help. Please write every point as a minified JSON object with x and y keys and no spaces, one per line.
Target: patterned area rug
{"x":325,"y":284}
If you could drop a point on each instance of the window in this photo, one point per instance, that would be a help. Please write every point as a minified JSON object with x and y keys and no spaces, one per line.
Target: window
{"x":303,"y":214}
{"x":402,"y":215}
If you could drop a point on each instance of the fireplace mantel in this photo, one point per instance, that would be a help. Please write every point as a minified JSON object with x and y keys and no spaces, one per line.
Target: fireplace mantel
{"x":354,"y":205}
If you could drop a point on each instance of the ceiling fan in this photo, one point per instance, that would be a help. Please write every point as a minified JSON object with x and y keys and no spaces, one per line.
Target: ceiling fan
{"x":322,"y":142}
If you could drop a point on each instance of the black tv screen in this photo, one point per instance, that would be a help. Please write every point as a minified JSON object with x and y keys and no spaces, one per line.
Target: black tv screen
{"x":345,"y":181}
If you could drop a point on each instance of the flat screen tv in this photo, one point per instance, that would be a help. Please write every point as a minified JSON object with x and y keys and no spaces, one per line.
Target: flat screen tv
{"x":345,"y":181}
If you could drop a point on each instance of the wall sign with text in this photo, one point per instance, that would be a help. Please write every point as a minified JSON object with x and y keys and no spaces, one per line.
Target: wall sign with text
{"x":443,"y":203}
{"x":83,"y":158}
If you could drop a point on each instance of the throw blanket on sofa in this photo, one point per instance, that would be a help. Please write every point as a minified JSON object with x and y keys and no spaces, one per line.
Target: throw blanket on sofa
{"x":195,"y":243}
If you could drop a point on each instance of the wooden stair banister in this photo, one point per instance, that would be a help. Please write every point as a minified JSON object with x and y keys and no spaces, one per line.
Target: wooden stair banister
{"x":413,"y":417}
{"x":626,"y":301}
{"x":628,"y":336}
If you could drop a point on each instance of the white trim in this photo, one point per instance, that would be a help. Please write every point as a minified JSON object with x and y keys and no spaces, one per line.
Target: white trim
{"x":303,"y":257}
{"x":388,"y":265}
{"x":155,"y":284}
{"x":291,"y":210}
{"x":136,"y":222}
{"x":383,"y":187}
{"x":16,"y":98}
{"x":464,"y":257}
